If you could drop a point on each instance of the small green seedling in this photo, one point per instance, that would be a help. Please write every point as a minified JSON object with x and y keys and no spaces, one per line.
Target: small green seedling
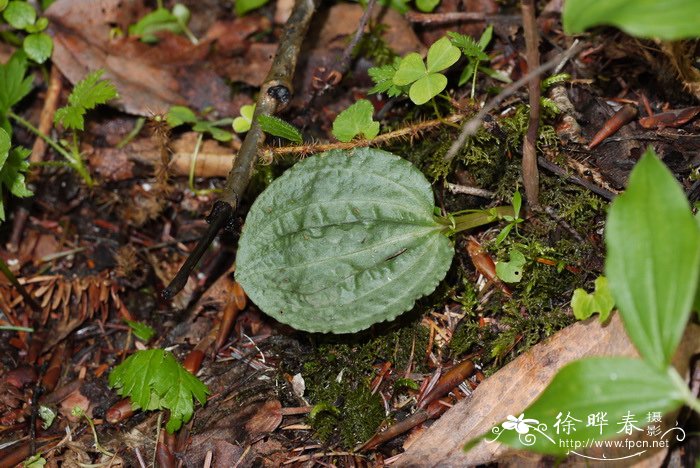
{"x":78,"y":412}
{"x":154,"y":380}
{"x":383,"y":78}
{"x":474,"y":51}
{"x":22,"y":16}
{"x":47,"y":415}
{"x":242,"y":123}
{"x":279,"y":128}
{"x":163,"y":19}
{"x":424,"y":78}
{"x":512,"y":271}
{"x":513,"y":220}
{"x":87,"y":94}
{"x":356,"y":120}
{"x":180,"y":115}
{"x":600,"y":301}
{"x":142,"y":331}
{"x":35,"y":461}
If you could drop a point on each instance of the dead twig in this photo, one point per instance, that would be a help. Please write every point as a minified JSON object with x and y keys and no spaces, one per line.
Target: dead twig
{"x":53,"y":92}
{"x":275,"y":94}
{"x":411,"y":130}
{"x":459,"y":17}
{"x":474,"y":191}
{"x":531,"y":178}
{"x":344,"y":64}
{"x":551,"y":167}
{"x":472,"y":125}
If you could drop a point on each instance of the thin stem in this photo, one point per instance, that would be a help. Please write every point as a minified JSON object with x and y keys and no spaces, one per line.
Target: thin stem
{"x":50,"y":141}
{"x":476,"y":68}
{"x":478,"y":218}
{"x":74,"y":160}
{"x":193,"y":163}
{"x":133,"y":133}
{"x":437,"y":112}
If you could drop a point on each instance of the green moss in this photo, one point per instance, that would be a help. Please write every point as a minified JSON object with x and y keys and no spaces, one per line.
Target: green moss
{"x":373,"y":46}
{"x":339,"y":374}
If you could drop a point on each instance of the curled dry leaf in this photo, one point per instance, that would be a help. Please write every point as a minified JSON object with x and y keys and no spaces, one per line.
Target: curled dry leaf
{"x":149,"y":79}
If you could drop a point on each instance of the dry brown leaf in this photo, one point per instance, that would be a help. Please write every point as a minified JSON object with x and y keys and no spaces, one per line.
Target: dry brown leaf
{"x":516,"y":386}
{"x":150,"y":79}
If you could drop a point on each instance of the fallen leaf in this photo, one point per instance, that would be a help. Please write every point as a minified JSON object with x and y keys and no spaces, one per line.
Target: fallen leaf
{"x":515,"y":386}
{"x":149,"y":78}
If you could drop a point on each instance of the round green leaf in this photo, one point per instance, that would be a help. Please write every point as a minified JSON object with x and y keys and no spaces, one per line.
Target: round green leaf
{"x":38,"y":46}
{"x":427,"y":88}
{"x":343,"y":240}
{"x":19,"y":14}
{"x":411,"y":69}
{"x":442,"y":54}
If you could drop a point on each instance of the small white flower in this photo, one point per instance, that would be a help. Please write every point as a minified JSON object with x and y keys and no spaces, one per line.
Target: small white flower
{"x":520,"y":424}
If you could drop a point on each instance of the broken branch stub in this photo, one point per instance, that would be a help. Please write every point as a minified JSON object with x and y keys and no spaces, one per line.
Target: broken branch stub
{"x":274,"y":96}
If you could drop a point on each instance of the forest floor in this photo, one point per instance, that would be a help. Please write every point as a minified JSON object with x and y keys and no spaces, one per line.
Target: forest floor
{"x":94,"y":256}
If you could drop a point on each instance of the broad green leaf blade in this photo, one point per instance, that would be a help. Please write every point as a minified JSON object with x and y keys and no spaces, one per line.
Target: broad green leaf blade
{"x":652,"y":263}
{"x":14,"y":84}
{"x":442,"y":54}
{"x":279,"y":128}
{"x":614,"y":389}
{"x":38,"y":46}
{"x":485,"y":38}
{"x":19,"y":14}
{"x":342,"y":240}
{"x":411,"y":69}
{"x":356,"y":120}
{"x":244,"y":6}
{"x":669,"y":19}
{"x":427,"y":88}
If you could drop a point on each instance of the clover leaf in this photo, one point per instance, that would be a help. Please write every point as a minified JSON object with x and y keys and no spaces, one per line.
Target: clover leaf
{"x":356,"y":120}
{"x":242,"y":124}
{"x":426,"y":80}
